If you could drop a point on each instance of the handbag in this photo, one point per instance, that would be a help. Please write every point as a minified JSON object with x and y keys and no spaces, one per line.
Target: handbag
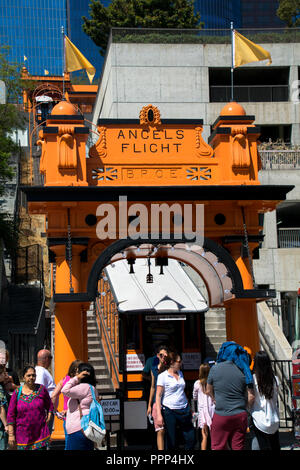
{"x":93,"y":423}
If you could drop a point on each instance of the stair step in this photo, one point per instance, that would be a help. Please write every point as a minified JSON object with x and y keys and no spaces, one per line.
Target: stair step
{"x":104,"y":388}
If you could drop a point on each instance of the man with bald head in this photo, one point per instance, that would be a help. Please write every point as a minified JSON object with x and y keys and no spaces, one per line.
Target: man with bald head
{"x":44,"y":377}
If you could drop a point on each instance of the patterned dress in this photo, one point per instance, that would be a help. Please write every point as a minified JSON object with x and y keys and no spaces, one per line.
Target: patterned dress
{"x":206,"y":407}
{"x":28,"y":414}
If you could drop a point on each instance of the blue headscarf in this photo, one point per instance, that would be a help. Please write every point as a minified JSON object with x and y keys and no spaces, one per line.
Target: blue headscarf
{"x":231,"y":351}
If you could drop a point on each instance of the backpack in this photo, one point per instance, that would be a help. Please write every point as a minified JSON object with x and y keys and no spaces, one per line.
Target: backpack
{"x":93,"y":424}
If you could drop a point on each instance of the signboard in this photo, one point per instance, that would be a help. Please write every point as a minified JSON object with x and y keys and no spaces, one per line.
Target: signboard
{"x":135,"y":415}
{"x":135,"y":362}
{"x":150,"y":152}
{"x":191,"y":361}
{"x":110,"y":407}
{"x":164,"y":317}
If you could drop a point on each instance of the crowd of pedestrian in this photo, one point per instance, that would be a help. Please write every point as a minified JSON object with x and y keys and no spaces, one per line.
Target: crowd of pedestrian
{"x":232,"y":395}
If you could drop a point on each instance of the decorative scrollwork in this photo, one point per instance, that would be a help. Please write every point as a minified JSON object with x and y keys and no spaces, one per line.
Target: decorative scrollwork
{"x":150,"y":115}
{"x":203,"y":149}
{"x":240,"y":148}
{"x":100,"y":147}
{"x":67,"y":149}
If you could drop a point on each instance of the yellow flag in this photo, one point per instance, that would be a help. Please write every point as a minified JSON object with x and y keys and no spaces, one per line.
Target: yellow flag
{"x":76,"y":61}
{"x":25,"y":58}
{"x":46,"y":72}
{"x":246,"y":51}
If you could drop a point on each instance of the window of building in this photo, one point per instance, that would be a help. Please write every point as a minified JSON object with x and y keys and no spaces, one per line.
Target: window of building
{"x":257,"y":84}
{"x":275,"y":132}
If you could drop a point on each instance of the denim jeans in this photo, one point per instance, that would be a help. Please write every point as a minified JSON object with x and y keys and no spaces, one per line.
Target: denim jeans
{"x":78,"y":441}
{"x":3,"y":440}
{"x":183,"y":418}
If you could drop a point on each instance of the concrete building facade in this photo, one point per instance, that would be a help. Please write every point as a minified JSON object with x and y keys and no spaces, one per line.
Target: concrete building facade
{"x":177,"y":78}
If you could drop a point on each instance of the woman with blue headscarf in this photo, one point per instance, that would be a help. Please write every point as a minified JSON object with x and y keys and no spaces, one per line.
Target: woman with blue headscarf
{"x":230,"y":384}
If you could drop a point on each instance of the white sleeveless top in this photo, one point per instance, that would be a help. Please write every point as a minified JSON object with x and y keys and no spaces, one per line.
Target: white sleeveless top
{"x":265,"y":412}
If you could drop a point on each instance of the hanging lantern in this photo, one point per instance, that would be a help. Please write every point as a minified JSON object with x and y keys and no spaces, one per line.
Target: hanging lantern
{"x":161,"y":261}
{"x":131,"y":262}
{"x":149,"y":277}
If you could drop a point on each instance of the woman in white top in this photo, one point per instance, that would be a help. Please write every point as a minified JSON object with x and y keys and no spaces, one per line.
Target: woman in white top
{"x":172,"y":404}
{"x":264,"y":411}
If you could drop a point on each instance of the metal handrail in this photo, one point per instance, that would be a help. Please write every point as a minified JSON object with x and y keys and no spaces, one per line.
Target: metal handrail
{"x":285,"y":381}
{"x":108,"y":342}
{"x":41,"y":310}
{"x":280,"y":159}
{"x":289,"y":237}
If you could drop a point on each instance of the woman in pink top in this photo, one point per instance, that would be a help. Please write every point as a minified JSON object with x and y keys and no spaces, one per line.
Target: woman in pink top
{"x":205,"y":405}
{"x":56,"y":393}
{"x":77,"y":389}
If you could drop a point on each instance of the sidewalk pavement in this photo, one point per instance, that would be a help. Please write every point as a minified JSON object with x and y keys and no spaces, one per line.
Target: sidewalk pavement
{"x":287,"y":440}
{"x":286,"y":437}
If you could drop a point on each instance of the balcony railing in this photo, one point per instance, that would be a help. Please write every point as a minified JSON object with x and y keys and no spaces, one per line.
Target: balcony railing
{"x":280,"y":159}
{"x":201,"y":36}
{"x":249,"y":93}
{"x":289,"y":238}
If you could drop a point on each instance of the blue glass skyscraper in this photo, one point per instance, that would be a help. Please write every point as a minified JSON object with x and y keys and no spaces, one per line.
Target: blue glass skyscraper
{"x":76,"y":9}
{"x":217,"y":14}
{"x":32,"y":29}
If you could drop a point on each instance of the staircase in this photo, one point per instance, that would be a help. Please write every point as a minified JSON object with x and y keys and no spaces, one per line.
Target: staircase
{"x":96,"y":355}
{"x":96,"y":358}
{"x":215,"y":331}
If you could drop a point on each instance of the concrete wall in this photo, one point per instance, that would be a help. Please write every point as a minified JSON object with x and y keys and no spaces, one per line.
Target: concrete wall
{"x":279,"y":267}
{"x":175,"y":78}
{"x":286,"y":177}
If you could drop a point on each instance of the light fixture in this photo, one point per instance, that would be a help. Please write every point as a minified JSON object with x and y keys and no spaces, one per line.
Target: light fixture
{"x":161,"y":261}
{"x":149,"y":277}
{"x":131,"y":262}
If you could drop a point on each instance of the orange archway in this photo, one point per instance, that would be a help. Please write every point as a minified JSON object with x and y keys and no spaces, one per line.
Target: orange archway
{"x":134,"y":166}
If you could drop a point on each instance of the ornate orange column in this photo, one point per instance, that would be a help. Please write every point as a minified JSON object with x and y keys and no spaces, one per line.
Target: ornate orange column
{"x":241,"y":314}
{"x":70,"y":322}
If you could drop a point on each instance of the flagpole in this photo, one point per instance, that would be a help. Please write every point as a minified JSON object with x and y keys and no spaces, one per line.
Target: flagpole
{"x":64,"y":59}
{"x":232,"y":58}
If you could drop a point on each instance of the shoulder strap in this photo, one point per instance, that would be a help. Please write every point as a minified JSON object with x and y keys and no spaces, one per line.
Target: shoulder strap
{"x":80,"y":410}
{"x":19,"y":392}
{"x":92,"y":392}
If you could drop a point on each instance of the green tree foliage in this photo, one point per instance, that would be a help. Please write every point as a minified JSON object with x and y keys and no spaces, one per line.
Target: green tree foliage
{"x":10,"y":116}
{"x":177,"y":14}
{"x":289,"y":12}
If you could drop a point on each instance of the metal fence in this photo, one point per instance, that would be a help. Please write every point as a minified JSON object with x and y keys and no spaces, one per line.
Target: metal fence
{"x":249,"y":93}
{"x":28,"y":266}
{"x":289,"y":238}
{"x":283,"y":370}
{"x":280,"y":159}
{"x":202,"y":36}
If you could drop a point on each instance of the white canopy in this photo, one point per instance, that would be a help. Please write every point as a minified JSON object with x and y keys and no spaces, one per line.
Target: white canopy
{"x":43,"y":99}
{"x":172,"y":292}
